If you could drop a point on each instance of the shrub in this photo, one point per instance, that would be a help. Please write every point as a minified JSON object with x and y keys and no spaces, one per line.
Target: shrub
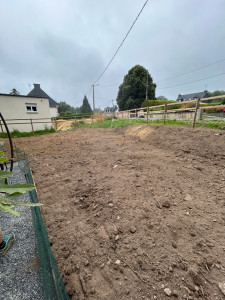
{"x":188,"y":105}
{"x":155,"y":102}
{"x":215,"y":110}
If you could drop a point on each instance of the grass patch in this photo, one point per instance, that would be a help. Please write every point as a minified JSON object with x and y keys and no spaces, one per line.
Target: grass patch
{"x":17,"y":133}
{"x":115,"y":123}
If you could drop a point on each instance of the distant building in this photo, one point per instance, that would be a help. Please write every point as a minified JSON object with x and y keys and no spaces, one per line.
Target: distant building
{"x":110,"y":109}
{"x":18,"y":110}
{"x":192,"y":96}
{"x":39,"y":93}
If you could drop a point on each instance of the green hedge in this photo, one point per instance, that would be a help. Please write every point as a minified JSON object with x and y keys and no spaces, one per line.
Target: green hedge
{"x":72,"y":116}
{"x":147,"y":103}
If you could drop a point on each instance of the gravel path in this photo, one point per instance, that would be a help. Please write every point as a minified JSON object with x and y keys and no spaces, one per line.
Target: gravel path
{"x":19,"y":277}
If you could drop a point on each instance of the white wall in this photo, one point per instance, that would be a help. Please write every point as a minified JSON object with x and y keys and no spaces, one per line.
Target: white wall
{"x":14,"y":107}
{"x":54,"y":112}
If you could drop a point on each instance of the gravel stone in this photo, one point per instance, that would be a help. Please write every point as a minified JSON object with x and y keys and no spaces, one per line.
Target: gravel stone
{"x":19,"y":278}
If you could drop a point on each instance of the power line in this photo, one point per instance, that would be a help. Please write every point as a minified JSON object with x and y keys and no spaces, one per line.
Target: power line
{"x":121,"y":43}
{"x":175,"y":76}
{"x":203,"y":67}
{"x":167,"y":87}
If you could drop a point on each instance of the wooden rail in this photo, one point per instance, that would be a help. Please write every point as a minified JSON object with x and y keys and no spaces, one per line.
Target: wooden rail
{"x":146,"y":111}
{"x":32,"y":122}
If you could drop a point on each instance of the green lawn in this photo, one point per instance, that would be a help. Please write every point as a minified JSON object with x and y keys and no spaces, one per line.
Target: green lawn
{"x":17,"y":133}
{"x":115,"y":123}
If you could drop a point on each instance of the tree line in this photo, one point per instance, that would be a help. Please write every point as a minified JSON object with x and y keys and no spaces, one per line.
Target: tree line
{"x":66,"y":109}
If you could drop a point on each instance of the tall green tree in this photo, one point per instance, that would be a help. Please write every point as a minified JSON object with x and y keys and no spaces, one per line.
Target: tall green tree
{"x":132,"y":92}
{"x":14,"y":92}
{"x":64,"y":108}
{"x":161,"y":98}
{"x":85,"y":108}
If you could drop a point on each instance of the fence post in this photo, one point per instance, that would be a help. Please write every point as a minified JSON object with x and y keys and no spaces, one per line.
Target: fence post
{"x":135,"y":113}
{"x":196,"y":110}
{"x":128,"y":115}
{"x":55,"y":124}
{"x":32,"y":125}
{"x":3,"y":134}
{"x":147,"y":114}
{"x":165,"y":109}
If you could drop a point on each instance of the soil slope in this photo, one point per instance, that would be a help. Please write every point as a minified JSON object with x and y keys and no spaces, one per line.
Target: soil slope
{"x":134,"y":213}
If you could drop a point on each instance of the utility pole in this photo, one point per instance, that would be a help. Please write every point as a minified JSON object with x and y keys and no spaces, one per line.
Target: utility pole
{"x":93,"y":98}
{"x":93,"y":85}
{"x":113,"y":106}
{"x":147,"y":87}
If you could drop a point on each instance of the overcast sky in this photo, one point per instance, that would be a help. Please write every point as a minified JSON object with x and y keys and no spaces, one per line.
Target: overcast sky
{"x":65,"y":45}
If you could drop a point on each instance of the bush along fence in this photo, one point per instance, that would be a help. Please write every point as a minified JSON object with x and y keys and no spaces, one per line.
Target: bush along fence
{"x":192,"y":110}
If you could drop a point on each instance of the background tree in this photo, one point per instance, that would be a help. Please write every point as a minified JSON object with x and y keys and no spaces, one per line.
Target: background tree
{"x":14,"y":92}
{"x":217,"y":93}
{"x":132,"y":92}
{"x":161,"y":98}
{"x":85,"y":108}
{"x":66,"y":109}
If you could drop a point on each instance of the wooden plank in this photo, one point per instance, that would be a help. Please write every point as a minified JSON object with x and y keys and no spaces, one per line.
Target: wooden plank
{"x":165,"y":108}
{"x":3,"y":134}
{"x":196,"y":110}
{"x":181,"y":109}
{"x":32,"y":127}
{"x":216,"y":97}
{"x":27,"y":119}
{"x":147,"y":115}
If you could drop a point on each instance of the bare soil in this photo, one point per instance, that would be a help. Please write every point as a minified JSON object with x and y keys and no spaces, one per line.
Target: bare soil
{"x":134,"y":213}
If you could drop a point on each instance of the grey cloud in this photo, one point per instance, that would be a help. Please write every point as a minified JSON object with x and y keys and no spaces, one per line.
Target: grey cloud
{"x":66,"y":45}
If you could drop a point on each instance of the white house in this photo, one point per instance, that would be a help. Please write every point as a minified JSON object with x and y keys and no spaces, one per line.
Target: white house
{"x":38,"y":92}
{"x":28,"y":113}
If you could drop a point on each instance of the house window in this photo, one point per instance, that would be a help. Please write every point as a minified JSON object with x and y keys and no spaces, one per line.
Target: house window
{"x":31,"y":107}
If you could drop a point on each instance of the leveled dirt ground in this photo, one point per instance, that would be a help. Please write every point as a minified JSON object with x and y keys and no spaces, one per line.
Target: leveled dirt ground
{"x":134,"y":213}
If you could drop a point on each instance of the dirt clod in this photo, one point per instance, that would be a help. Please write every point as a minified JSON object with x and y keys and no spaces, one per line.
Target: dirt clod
{"x":166,"y":204}
{"x":133,"y":229}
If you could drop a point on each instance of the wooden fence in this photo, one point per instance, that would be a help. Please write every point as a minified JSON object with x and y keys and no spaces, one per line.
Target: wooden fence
{"x":30,"y":122}
{"x":53,"y":122}
{"x":147,"y":111}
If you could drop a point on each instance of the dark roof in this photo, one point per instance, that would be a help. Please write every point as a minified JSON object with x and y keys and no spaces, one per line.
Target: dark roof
{"x":38,"y":92}
{"x":110,"y":109}
{"x":2,"y":94}
{"x":192,"y":96}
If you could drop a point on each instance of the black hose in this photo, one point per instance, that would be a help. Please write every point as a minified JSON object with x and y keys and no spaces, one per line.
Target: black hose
{"x":10,"y":142}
